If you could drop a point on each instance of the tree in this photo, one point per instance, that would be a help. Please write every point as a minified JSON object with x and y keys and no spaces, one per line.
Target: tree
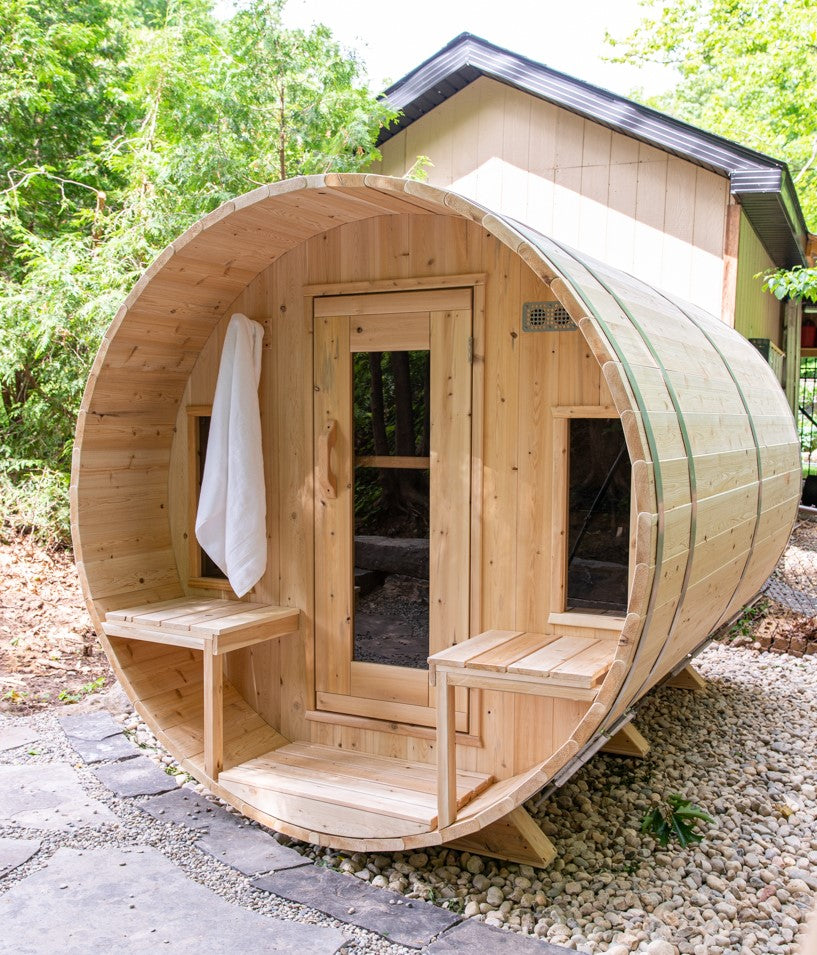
{"x":121,"y":123}
{"x":747,"y":69}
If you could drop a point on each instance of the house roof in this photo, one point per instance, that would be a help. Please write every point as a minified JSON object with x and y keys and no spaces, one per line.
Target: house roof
{"x":761,"y":184}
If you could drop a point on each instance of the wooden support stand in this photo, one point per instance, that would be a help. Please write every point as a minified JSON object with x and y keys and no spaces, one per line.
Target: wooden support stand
{"x":687,"y":679}
{"x":627,"y":742}
{"x":514,"y":838}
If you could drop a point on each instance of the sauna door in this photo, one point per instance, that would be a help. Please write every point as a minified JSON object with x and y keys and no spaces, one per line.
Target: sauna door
{"x":392,"y":497}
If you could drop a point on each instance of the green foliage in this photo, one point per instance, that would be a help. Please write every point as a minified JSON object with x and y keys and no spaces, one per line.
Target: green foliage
{"x":674,"y":820}
{"x":745,"y":625}
{"x":121,"y":123}
{"x":34,"y":499}
{"x":75,"y":696}
{"x":419,"y":169}
{"x":746,"y":70}
{"x":796,"y":283}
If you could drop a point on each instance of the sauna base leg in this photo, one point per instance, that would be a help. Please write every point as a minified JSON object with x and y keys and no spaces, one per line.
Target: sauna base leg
{"x":514,"y":838}
{"x":687,"y":679}
{"x":627,"y":742}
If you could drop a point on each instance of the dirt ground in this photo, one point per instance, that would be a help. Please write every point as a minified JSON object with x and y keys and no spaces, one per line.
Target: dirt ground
{"x":49,"y":654}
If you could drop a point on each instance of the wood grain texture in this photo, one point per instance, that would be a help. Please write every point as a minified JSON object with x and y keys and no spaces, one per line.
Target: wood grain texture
{"x":708,"y":526}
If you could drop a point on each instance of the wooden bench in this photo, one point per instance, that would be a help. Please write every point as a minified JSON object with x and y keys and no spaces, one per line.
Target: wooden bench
{"x":515,"y":662}
{"x":213,"y":626}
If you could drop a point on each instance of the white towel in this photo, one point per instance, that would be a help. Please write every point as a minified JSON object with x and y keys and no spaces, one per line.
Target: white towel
{"x":231,"y":520}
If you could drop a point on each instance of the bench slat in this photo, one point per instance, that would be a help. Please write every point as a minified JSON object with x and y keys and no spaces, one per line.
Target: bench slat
{"x":589,"y":666}
{"x":161,"y":616}
{"x":502,"y":658}
{"x":243,"y":619}
{"x":542,"y":662}
{"x":128,"y":613}
{"x":189,"y":621}
{"x":461,"y":653}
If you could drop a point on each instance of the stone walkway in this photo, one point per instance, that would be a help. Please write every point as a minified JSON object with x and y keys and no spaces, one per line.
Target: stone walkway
{"x":89,"y":825}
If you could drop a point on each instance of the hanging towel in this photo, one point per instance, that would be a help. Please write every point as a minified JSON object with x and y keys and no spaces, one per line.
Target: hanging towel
{"x":231,"y":520}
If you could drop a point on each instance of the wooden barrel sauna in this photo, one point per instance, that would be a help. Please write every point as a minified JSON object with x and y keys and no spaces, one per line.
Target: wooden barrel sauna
{"x":549,"y":615}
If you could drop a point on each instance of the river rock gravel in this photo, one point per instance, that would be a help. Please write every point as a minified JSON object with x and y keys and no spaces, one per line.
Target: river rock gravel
{"x":743,"y":749}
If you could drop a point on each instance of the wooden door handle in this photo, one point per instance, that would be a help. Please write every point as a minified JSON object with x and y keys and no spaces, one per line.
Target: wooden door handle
{"x":326,"y":443}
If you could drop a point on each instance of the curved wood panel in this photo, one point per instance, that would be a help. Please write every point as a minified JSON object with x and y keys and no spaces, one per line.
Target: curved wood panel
{"x":715,"y":465}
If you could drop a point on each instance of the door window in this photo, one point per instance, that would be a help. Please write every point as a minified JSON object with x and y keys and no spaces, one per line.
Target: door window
{"x":392,"y":440}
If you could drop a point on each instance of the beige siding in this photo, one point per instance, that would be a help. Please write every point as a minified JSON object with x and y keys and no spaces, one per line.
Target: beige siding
{"x":637,"y":208}
{"x":757,"y":314}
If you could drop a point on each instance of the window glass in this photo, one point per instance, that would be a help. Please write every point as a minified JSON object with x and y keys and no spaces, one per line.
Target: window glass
{"x":391,"y":507}
{"x":599,"y":516}
{"x":209,"y":568}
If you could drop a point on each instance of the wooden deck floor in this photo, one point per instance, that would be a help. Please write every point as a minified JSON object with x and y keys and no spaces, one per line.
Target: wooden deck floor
{"x":329,"y":790}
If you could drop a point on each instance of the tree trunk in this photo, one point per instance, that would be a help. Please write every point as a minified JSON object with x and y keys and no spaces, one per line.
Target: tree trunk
{"x":282,"y":136}
{"x":425,"y":448}
{"x":404,"y":412}
{"x":379,"y":436}
{"x":410,"y":495}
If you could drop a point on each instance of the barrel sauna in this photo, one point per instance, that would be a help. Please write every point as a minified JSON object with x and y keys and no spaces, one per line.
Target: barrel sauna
{"x":606,"y":476}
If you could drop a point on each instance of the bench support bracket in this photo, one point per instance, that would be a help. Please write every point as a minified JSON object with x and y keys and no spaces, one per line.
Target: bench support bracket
{"x":687,"y":679}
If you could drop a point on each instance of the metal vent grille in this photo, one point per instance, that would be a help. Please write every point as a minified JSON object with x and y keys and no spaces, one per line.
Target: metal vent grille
{"x":546,"y":317}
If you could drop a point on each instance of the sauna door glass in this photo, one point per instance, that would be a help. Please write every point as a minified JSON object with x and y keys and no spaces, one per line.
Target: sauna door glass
{"x":393,"y":496}
{"x":392,"y":441}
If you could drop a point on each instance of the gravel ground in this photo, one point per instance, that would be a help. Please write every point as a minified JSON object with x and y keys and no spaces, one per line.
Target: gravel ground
{"x":743,"y":750}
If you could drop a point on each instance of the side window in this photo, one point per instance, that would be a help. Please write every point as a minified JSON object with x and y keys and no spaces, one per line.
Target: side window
{"x":201,"y":566}
{"x":598,"y":516}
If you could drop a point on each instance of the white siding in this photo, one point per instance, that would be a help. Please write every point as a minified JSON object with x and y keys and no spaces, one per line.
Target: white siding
{"x":636,"y":207}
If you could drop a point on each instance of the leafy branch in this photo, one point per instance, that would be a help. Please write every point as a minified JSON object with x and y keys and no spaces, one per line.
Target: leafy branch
{"x":796,"y":283}
{"x":674,"y":819}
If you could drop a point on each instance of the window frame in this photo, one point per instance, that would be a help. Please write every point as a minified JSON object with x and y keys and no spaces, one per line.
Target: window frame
{"x":194,"y":550}
{"x":559,"y":613}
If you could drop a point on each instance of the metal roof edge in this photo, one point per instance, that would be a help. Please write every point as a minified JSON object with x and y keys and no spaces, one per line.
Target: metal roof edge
{"x":467,"y":57}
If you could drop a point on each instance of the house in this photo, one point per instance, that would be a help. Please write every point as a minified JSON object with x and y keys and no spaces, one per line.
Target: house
{"x":687,"y":211}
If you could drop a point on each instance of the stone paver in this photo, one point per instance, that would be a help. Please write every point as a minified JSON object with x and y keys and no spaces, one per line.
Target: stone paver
{"x":135,"y":777}
{"x":11,"y":737}
{"x":411,"y":923}
{"x":185,"y":808}
{"x":102,"y":750}
{"x":91,"y":726}
{"x":248,"y":849}
{"x":48,"y":797}
{"x":470,"y":936}
{"x":185,"y":914}
{"x":14,"y":852}
{"x":135,"y":901}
